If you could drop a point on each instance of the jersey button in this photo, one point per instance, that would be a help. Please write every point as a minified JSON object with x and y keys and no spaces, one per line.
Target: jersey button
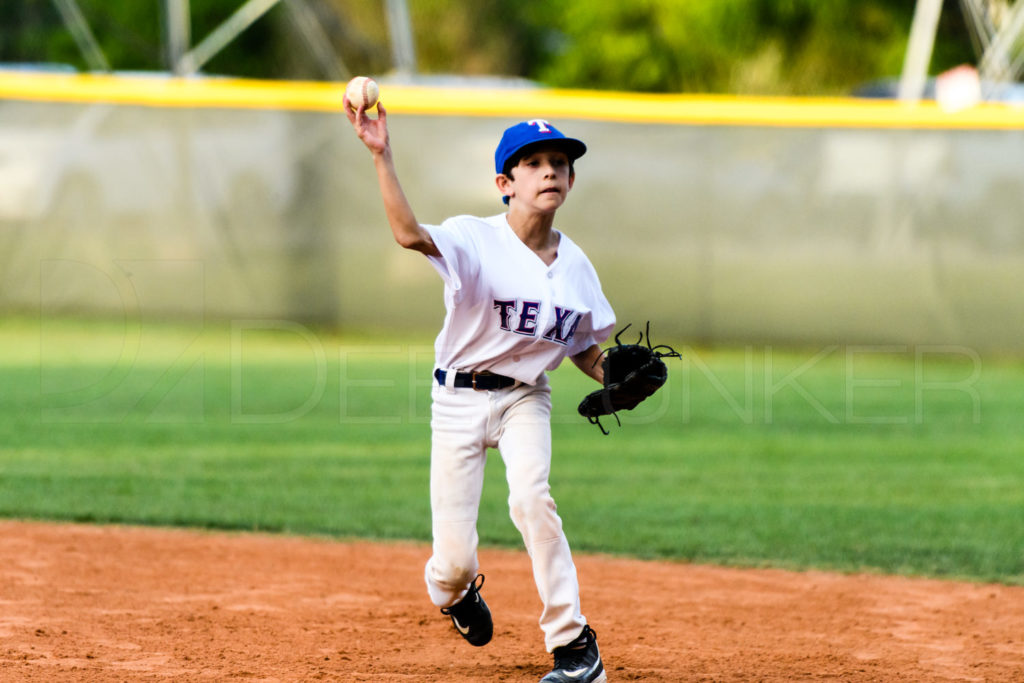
{"x":550,"y":275}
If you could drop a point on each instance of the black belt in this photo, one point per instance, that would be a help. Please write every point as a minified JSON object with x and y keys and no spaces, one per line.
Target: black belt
{"x":481,"y":381}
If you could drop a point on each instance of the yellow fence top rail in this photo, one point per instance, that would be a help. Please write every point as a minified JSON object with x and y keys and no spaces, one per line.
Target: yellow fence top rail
{"x":161,"y":90}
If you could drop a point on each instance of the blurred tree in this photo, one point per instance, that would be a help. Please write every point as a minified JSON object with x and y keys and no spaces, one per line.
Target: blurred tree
{"x":358,"y":29}
{"x":261,"y":51}
{"x":31,"y":32}
{"x":729,"y":46}
{"x":131,"y":35}
{"x":748,"y":46}
{"x":502,"y":37}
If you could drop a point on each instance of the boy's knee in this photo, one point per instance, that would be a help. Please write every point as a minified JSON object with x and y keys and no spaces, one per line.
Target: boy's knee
{"x":533,"y":510}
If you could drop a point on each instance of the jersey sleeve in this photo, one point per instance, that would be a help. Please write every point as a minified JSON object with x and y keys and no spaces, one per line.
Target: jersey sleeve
{"x":458,"y":254}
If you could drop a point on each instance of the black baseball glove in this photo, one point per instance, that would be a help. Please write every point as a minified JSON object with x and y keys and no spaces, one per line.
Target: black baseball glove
{"x":632,"y":373}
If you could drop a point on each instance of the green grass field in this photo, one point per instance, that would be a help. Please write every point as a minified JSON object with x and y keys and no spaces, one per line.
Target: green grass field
{"x":893,"y":459}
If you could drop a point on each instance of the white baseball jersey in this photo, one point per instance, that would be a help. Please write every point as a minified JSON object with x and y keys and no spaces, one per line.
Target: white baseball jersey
{"x":507,"y":311}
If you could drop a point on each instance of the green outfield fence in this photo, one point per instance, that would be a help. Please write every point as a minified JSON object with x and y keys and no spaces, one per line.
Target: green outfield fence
{"x":722,"y":219}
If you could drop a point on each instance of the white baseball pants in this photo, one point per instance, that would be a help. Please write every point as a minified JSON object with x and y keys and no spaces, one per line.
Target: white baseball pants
{"x":516,"y":421}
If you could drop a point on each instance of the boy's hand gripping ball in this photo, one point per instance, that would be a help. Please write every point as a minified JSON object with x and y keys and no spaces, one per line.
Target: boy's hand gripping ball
{"x":362,"y":91}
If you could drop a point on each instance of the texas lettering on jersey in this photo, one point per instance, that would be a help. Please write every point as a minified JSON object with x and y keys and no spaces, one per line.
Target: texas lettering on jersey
{"x":520,"y":317}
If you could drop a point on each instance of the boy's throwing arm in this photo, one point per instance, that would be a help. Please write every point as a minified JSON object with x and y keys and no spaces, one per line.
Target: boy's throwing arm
{"x":404,"y":226}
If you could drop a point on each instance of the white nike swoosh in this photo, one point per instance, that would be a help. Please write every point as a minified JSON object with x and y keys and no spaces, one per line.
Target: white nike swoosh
{"x":577,"y":673}
{"x":464,"y":630}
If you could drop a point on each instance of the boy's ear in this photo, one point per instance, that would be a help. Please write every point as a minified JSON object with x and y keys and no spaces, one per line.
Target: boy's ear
{"x":504,"y":184}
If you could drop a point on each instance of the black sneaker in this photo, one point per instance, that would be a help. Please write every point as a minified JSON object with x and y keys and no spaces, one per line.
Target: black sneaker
{"x":578,"y":662}
{"x":471,"y":617}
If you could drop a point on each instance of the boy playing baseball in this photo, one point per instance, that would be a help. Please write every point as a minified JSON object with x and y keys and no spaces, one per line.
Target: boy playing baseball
{"x":520,"y":296}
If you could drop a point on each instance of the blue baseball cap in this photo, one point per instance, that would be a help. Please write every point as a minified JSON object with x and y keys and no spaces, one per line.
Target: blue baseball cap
{"x":533,"y":132}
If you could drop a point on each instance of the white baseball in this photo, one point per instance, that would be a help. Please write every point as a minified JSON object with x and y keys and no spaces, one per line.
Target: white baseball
{"x":362,"y":91}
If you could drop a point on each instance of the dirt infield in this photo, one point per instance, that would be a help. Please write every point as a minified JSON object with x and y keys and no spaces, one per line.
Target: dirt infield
{"x":88,"y":603}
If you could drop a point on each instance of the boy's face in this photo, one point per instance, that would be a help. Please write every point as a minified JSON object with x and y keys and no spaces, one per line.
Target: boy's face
{"x":541,"y":180}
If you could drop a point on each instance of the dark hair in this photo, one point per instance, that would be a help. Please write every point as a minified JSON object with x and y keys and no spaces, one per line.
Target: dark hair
{"x":514,"y":160}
